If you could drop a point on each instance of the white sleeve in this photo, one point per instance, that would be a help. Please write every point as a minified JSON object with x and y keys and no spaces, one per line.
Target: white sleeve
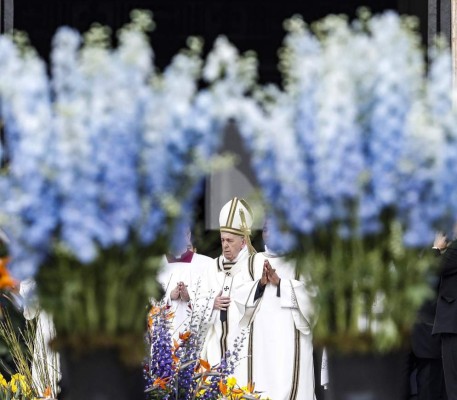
{"x":244,"y":299}
{"x":243,"y":295}
{"x":298,"y":296}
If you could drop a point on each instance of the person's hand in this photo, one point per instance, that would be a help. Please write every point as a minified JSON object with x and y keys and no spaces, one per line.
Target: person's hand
{"x":273,"y":277}
{"x":183,"y":293}
{"x":264,"y":279}
{"x":174,"y":295}
{"x":440,"y":241}
{"x":221,"y":302}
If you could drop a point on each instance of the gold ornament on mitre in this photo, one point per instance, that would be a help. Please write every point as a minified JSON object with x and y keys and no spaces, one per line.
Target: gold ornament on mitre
{"x":236,"y":217}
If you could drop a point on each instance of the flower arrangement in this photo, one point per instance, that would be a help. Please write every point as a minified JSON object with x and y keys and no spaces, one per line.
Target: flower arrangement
{"x":18,"y":388}
{"x":232,"y":391}
{"x":11,"y":318}
{"x":174,"y":369}
{"x":32,"y":379}
{"x":354,"y":159}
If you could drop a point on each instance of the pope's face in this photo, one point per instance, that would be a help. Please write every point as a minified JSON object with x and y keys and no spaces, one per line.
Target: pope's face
{"x":231,"y":245}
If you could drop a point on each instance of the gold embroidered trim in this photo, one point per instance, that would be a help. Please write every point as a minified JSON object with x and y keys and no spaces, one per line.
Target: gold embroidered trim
{"x":295,"y":380}
{"x":232,"y":211}
{"x":231,"y":230}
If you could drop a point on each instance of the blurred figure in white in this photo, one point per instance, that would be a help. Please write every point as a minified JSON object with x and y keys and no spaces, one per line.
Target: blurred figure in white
{"x":180,"y":277}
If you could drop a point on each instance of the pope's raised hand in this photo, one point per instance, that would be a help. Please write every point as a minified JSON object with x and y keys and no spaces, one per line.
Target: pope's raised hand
{"x":183,"y":292}
{"x":264,"y":279}
{"x":221,"y":302}
{"x":273,"y":277}
{"x":174,"y":295}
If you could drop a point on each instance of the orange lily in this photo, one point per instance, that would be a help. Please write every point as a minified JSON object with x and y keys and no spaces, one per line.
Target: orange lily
{"x":202,"y":366}
{"x":173,"y":351}
{"x":205,"y":364}
{"x":6,"y":281}
{"x":223,"y":387}
{"x":184,"y":336}
{"x":47,"y":393}
{"x":251,"y":387}
{"x":162,"y":382}
{"x":154,"y":310}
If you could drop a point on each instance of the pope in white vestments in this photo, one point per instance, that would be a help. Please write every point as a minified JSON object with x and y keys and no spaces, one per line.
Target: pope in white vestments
{"x":277,"y":305}
{"x":181,"y":277}
{"x":224,"y":329}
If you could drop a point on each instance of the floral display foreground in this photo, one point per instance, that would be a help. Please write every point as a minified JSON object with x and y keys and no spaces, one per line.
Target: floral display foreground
{"x":174,"y":368}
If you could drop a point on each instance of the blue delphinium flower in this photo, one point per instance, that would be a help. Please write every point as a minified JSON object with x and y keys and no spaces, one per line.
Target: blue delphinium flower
{"x":174,"y":363}
{"x":25,"y":107}
{"x":160,"y":366}
{"x":397,"y":78}
{"x":104,"y":152}
{"x":347,"y":141}
{"x":444,"y":120}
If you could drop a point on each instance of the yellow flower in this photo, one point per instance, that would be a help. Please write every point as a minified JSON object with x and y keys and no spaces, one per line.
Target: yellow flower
{"x":231,"y":382}
{"x":19,"y":380}
{"x":3,"y":381}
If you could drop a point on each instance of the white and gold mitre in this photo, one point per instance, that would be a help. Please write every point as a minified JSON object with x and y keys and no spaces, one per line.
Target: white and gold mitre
{"x":236,"y":217}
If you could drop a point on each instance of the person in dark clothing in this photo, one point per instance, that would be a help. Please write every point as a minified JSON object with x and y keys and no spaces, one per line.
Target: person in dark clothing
{"x":426,"y":352}
{"x":445,"y":323}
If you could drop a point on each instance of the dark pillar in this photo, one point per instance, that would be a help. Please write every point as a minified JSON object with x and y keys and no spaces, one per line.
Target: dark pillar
{"x":6,"y":25}
{"x":6,"y":15}
{"x":439,"y":19}
{"x":445,"y":18}
{"x":432,"y":20}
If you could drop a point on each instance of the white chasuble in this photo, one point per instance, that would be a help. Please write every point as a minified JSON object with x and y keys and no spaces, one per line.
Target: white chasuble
{"x":188,"y":269}
{"x":224,"y":326}
{"x":280,"y":346}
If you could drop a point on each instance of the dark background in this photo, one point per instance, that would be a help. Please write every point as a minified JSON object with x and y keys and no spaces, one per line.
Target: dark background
{"x":249,"y":24}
